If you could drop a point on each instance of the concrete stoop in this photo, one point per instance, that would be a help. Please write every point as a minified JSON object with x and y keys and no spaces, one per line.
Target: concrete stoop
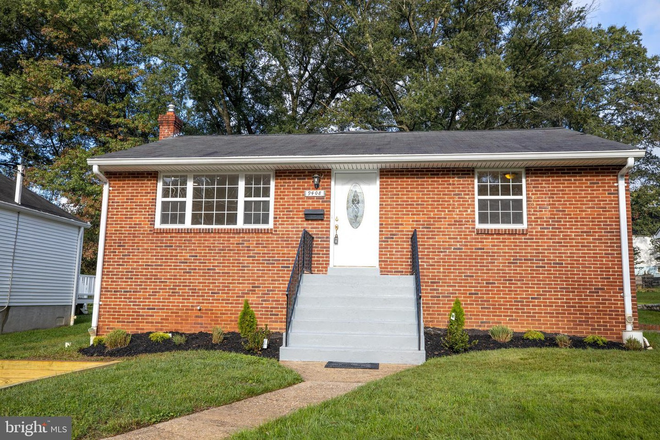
{"x":355,"y":315}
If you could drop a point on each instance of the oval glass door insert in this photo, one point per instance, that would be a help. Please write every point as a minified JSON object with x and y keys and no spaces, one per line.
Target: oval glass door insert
{"x":355,"y":205}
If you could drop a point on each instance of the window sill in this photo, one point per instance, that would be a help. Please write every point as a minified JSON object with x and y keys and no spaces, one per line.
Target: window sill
{"x":501,"y":231}
{"x":213,"y":230}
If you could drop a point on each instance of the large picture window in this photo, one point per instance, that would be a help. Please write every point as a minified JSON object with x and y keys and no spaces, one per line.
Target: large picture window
{"x":215,"y":200}
{"x":500,"y":198}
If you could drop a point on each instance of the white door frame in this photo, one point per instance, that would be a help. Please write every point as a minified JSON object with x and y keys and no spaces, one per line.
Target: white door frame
{"x":332,"y":211}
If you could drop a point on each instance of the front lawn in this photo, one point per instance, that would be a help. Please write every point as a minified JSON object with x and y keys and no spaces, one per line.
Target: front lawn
{"x":648,"y":296}
{"x":544,"y":393}
{"x":145,"y":390}
{"x":49,"y":343}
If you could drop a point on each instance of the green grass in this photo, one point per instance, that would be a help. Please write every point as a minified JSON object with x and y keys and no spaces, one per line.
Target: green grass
{"x":648,"y":296}
{"x":654,"y":339}
{"x":49,"y":343}
{"x":503,"y":394}
{"x":145,"y":390}
{"x":648,"y":317}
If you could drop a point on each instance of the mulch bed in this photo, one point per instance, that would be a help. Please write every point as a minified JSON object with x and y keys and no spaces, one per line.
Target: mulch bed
{"x":141,"y":344}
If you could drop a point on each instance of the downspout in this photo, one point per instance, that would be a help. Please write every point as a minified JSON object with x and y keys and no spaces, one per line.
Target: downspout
{"x":101,"y":251}
{"x":625,"y":256}
{"x":76,"y":274}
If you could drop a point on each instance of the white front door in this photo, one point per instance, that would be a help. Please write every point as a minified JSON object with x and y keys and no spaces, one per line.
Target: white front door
{"x":355,"y":206}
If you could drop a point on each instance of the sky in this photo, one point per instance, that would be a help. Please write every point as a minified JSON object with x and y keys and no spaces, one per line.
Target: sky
{"x":643,"y":15}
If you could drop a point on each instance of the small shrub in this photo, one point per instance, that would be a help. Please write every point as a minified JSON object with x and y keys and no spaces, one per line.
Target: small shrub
{"x":457,"y":339}
{"x":247,"y":321}
{"x":563,"y":341}
{"x":501,"y":333}
{"x":217,"y":335}
{"x":159,"y":337}
{"x":633,"y":344}
{"x":595,"y":339}
{"x":117,"y":339}
{"x":179,"y":339}
{"x":255,"y":341}
{"x":533,"y":335}
{"x":98,"y":340}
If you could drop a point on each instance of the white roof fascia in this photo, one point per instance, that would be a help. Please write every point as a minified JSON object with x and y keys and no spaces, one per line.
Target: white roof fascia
{"x":368,"y":159}
{"x":46,"y":215}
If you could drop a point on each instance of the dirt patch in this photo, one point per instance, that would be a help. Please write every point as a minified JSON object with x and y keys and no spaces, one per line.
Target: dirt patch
{"x":141,"y":344}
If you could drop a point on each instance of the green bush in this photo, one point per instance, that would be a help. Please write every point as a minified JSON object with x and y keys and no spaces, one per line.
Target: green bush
{"x":457,"y":339}
{"x":595,"y":339}
{"x":217,"y":335}
{"x":98,"y":340}
{"x":159,"y":337}
{"x":247,"y":321}
{"x":533,"y":335}
{"x":501,"y":333}
{"x":255,"y":341}
{"x":117,"y":338}
{"x":563,"y":341}
{"x":179,"y":339}
{"x":633,"y":344}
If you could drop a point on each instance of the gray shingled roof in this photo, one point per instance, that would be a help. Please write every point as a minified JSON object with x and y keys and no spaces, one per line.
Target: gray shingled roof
{"x":372,"y":143}
{"x":31,"y":200}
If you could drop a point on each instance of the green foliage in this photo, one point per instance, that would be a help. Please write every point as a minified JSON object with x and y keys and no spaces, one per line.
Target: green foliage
{"x":179,"y":339}
{"x":159,"y":337}
{"x":247,"y":321}
{"x":98,"y":340}
{"x":534,"y":335}
{"x":563,"y":341}
{"x":633,"y":344}
{"x":117,"y":338}
{"x":457,"y":339}
{"x":595,"y":339}
{"x":254,"y":341}
{"x":501,"y":333}
{"x":217,"y":335}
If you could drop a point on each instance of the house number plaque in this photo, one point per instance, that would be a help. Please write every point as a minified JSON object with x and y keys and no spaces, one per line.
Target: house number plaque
{"x":315,"y":193}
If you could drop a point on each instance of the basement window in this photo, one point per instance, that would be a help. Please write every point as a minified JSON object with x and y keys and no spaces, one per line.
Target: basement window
{"x":227,"y":200}
{"x":500,"y":199}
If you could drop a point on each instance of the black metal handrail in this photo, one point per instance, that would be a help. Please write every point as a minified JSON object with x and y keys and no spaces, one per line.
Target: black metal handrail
{"x":418,"y":286}
{"x":302,"y":264}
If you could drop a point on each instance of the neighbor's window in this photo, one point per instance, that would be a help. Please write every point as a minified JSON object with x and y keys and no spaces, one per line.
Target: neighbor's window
{"x":216,"y":200}
{"x":501,"y":199}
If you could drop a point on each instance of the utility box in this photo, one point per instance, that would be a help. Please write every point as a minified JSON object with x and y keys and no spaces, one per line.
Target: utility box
{"x":314,"y":214}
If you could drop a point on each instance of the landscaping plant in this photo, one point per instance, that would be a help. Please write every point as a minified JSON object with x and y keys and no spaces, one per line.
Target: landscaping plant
{"x":595,"y":339}
{"x":117,"y":338}
{"x":256,"y":339}
{"x":633,"y":344}
{"x":501,"y":333}
{"x":98,"y":340}
{"x":217,"y":335}
{"x":533,"y":335}
{"x":457,"y":339}
{"x":159,"y":336}
{"x":247,"y":321}
{"x":563,"y":341}
{"x":179,"y":339}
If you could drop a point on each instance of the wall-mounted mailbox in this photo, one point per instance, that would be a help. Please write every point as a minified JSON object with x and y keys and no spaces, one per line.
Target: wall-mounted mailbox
{"x":314,"y":214}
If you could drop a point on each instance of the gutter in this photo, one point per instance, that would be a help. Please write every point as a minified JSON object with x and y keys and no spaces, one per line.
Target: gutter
{"x":46,"y":215}
{"x":101,"y":251}
{"x":625,"y":255}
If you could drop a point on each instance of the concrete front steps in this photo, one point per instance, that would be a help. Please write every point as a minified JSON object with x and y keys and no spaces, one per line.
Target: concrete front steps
{"x":355,"y":315}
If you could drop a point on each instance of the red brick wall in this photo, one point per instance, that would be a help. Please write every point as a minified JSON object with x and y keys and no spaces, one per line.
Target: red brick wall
{"x":155,"y":279}
{"x":561,"y":274}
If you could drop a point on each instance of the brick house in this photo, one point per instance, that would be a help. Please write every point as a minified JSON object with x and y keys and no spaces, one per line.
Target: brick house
{"x":529,"y":228}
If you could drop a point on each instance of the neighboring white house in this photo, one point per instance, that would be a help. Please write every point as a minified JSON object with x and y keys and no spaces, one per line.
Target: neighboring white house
{"x":645,"y":262}
{"x":40,"y":251}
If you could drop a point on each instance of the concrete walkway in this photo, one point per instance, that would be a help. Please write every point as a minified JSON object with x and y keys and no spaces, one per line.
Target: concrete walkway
{"x":319,"y":384}
{"x":20,"y":371}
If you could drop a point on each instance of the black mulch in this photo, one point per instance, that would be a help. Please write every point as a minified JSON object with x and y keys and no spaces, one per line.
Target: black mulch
{"x":141,"y":344}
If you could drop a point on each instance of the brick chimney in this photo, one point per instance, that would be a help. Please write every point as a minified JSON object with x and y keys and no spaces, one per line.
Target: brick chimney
{"x":169,"y":124}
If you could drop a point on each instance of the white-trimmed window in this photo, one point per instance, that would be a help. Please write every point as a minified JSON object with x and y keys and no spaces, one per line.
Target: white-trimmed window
{"x":500,"y":198}
{"x":215,"y":200}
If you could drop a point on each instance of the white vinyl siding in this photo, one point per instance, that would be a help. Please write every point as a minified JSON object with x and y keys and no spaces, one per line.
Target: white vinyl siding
{"x":45,"y":262}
